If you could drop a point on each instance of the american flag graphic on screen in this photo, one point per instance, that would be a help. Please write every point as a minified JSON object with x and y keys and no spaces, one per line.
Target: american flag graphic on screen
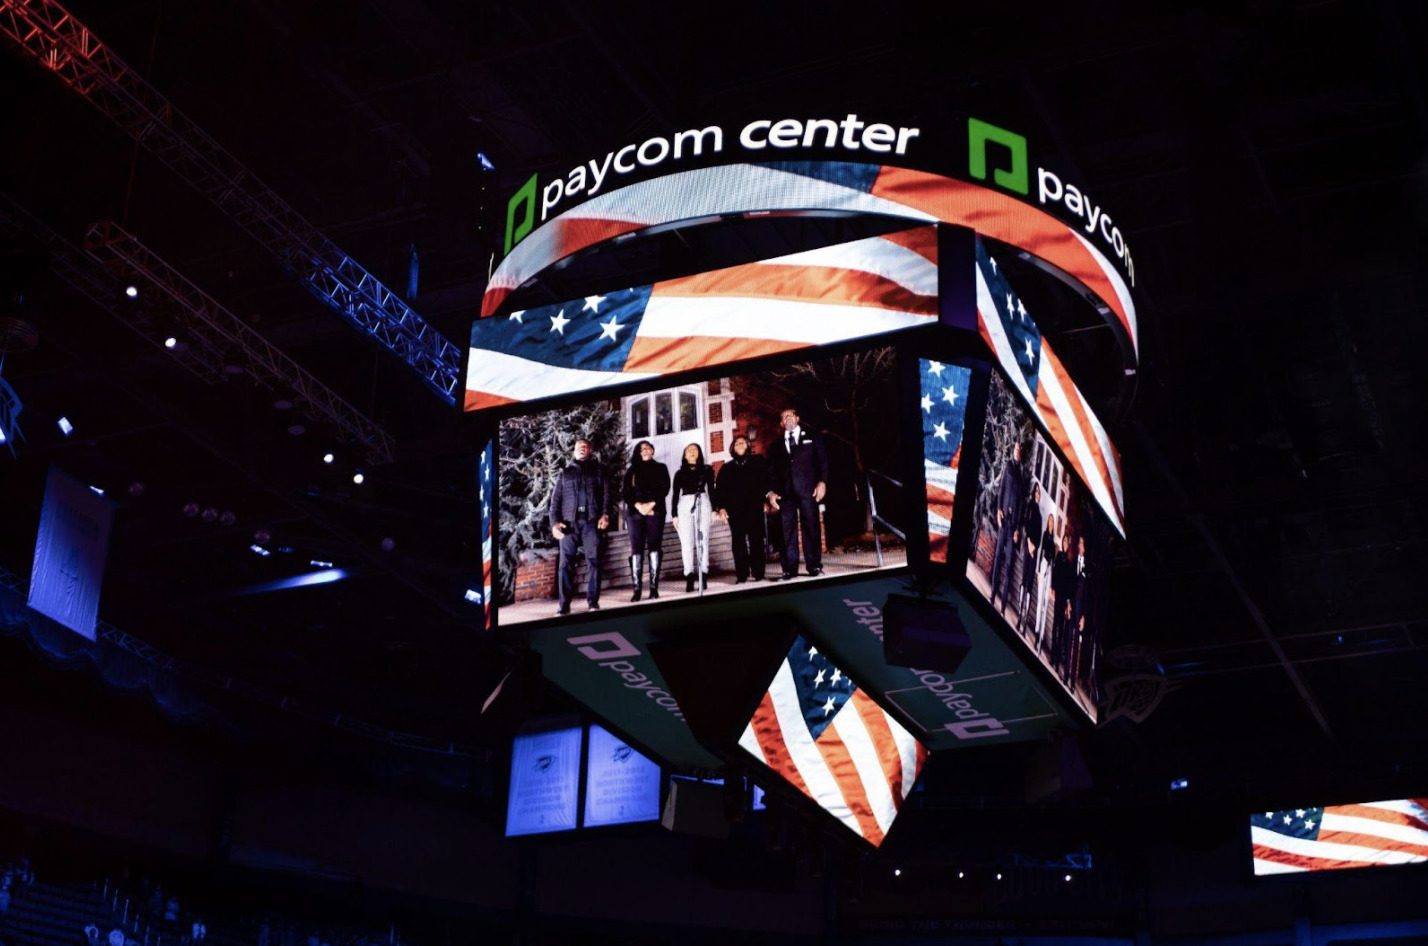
{"x":486,"y":496}
{"x":1369,"y":834}
{"x":832,"y":742}
{"x":1041,"y":380}
{"x":801,"y":186}
{"x":944,"y":410}
{"x":835,"y":293}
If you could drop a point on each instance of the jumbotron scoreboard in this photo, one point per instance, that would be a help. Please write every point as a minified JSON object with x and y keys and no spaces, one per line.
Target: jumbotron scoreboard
{"x":973,"y":496}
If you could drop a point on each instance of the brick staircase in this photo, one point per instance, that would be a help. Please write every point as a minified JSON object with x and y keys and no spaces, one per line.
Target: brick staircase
{"x":536,"y":578}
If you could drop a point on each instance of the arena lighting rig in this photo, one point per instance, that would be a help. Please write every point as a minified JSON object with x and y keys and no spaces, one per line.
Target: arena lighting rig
{"x":994,"y":490}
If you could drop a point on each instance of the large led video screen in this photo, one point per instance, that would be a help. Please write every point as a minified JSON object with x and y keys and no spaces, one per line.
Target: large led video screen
{"x":545,"y":782}
{"x":1046,"y":388}
{"x":703,"y":488}
{"x":816,"y":729}
{"x":816,"y":297}
{"x":943,"y":402}
{"x":1340,"y":837}
{"x":1040,"y":548}
{"x":621,"y":785}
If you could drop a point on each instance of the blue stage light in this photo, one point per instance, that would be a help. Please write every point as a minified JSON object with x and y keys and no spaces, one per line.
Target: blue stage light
{"x":484,"y":161}
{"x":65,"y":426}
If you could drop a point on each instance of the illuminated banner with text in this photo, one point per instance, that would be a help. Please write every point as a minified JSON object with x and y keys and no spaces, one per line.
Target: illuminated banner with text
{"x":545,"y":782}
{"x":621,"y":786}
{"x":70,"y":553}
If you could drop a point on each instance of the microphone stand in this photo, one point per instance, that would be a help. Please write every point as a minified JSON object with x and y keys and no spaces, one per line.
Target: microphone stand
{"x":700,"y":542}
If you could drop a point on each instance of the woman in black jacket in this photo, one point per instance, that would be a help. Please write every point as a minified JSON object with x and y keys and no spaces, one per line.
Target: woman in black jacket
{"x":693,"y":506}
{"x":646,"y":483}
{"x":739,"y":495}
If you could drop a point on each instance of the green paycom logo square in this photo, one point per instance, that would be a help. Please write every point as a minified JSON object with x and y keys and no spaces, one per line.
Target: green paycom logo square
{"x":516,"y":232}
{"x":979,"y":135}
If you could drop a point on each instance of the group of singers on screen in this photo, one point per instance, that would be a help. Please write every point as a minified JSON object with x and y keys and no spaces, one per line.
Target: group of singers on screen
{"x":1055,"y":576}
{"x":791,"y":480}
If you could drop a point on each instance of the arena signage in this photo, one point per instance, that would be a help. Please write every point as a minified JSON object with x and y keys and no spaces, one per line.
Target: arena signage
{"x":1050,"y":189}
{"x":535,"y":202}
{"x":589,"y":178}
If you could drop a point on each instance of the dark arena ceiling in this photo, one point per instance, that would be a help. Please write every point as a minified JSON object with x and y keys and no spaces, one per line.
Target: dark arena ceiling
{"x":1269,"y":162}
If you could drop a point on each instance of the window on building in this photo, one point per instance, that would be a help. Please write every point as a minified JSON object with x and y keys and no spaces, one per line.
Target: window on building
{"x":716,"y":386}
{"x":716,"y":442}
{"x":688,"y":411}
{"x":664,"y":414}
{"x":716,"y":413}
{"x":640,"y":418}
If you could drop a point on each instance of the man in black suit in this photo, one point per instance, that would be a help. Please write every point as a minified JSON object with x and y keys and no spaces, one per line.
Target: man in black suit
{"x":1080,"y":600}
{"x":798,"y":480}
{"x":1063,"y":589}
{"x":579,"y":516}
{"x":1009,"y":510}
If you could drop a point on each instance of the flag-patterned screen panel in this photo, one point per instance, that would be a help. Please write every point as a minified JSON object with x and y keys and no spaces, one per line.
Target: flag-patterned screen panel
{"x":815,"y":728}
{"x":1042,"y":382}
{"x":833,"y":294}
{"x":944,"y":413}
{"x":1337,"y":837}
{"x":846,"y":188}
{"x":1041,"y":548}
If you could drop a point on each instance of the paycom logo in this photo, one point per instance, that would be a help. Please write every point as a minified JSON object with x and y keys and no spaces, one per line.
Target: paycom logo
{"x":522,"y":201}
{"x":1005,"y":153}
{"x":980,"y":134}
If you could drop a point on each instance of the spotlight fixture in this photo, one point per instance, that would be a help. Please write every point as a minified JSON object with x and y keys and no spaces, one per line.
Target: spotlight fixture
{"x":318,"y":563}
{"x":1179,"y":785}
{"x":282,"y":404}
{"x":131,"y":291}
{"x":171,"y":342}
{"x":96,"y":490}
{"x":484,"y":161}
{"x":297,"y":430}
{"x":961,"y":874}
{"x":259,"y":550}
{"x":358,"y":478}
{"x":388,"y":544}
{"x":227,"y":518}
{"x":999,"y":875}
{"x":472,"y":595}
{"x":897,"y":871}
{"x":65,"y":427}
{"x":190,"y":509}
{"x":1067,"y":878}
{"x":136,"y":489}
{"x":210,"y":514}
{"x":262,"y":536}
{"x":328,"y":458}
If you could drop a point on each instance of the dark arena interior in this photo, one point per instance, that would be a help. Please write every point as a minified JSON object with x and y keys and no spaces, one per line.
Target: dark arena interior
{"x":305,"y":306}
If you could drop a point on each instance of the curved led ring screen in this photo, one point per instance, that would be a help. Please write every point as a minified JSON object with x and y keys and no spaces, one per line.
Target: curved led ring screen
{"x":879,"y":190}
{"x":817,"y":297}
